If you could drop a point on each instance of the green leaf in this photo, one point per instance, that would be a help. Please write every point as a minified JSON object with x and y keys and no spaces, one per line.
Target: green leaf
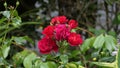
{"x":20,"y":56}
{"x":95,"y":54}
{"x":71,"y":65}
{"x":3,"y":27}
{"x":29,"y":39}
{"x":43,"y":65}
{"x":104,"y":64}
{"x":2,"y":20}
{"x":112,"y":33}
{"x":28,"y":60}
{"x":5,"y":50}
{"x":75,"y":53}
{"x":1,"y":60}
{"x":109,"y":2}
{"x":6,"y":14}
{"x":37,"y":63}
{"x":51,"y":65}
{"x":19,"y":40}
{"x":118,"y":17}
{"x":107,"y":59}
{"x":116,"y":20}
{"x":14,"y":12}
{"x":87,"y":44}
{"x":80,"y":66}
{"x":64,"y":59}
{"x":22,"y":40}
{"x":96,"y":31}
{"x":110,"y":42}
{"x":16,"y":21}
{"x":118,"y":59}
{"x":99,"y":41}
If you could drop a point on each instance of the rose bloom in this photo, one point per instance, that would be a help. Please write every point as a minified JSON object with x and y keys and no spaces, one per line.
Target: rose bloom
{"x":61,"y":32}
{"x":46,"y":45}
{"x":74,"y":39}
{"x":48,"y":31}
{"x":59,"y":20}
{"x":73,"y":24}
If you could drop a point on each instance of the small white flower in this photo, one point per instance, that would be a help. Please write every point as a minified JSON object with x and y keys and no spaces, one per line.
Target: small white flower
{"x":114,"y":53}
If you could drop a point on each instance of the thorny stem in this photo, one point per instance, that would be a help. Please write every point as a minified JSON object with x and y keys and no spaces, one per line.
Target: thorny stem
{"x":90,"y":33}
{"x":4,"y":37}
{"x":84,"y":59}
{"x":18,"y":45}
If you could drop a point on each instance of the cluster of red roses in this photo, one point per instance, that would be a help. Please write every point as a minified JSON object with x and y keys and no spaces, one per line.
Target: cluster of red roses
{"x":59,"y":29}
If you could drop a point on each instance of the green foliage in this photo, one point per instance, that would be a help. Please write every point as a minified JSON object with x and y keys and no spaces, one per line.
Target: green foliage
{"x":104,"y":64}
{"x":5,"y":50}
{"x":19,"y":57}
{"x":115,"y":64}
{"x":110,"y":43}
{"x":22,"y":40}
{"x":87,"y":44}
{"x":70,"y":65}
{"x":64,"y":59}
{"x":118,"y":59}
{"x":28,"y":60}
{"x":99,"y":41}
{"x":6,"y":14}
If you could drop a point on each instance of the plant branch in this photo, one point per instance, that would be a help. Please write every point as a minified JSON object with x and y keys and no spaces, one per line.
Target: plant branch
{"x":12,"y":28}
{"x":90,"y":33}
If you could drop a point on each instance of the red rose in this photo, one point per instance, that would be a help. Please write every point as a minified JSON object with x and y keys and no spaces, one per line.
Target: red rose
{"x":46,"y":45}
{"x":49,"y":31}
{"x":61,"y":32}
{"x":73,"y":24}
{"x":59,"y":20}
{"x":74,"y":39}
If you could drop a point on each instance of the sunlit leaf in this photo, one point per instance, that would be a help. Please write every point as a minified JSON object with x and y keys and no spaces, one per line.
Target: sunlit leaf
{"x":28,"y":60}
{"x":80,"y":66}
{"x":104,"y":64}
{"x":71,"y":65}
{"x":6,"y":14}
{"x":118,"y":59}
{"x":16,"y":21}
{"x":43,"y":65}
{"x":51,"y":64}
{"x":19,"y":40}
{"x":20,"y":56}
{"x":37,"y":63}
{"x":5,"y":50}
{"x":110,"y":43}
{"x":64,"y":58}
{"x":87,"y":44}
{"x":99,"y":41}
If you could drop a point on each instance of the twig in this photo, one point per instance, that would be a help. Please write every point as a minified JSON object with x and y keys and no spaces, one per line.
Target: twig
{"x":18,"y":45}
{"x":90,"y":33}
